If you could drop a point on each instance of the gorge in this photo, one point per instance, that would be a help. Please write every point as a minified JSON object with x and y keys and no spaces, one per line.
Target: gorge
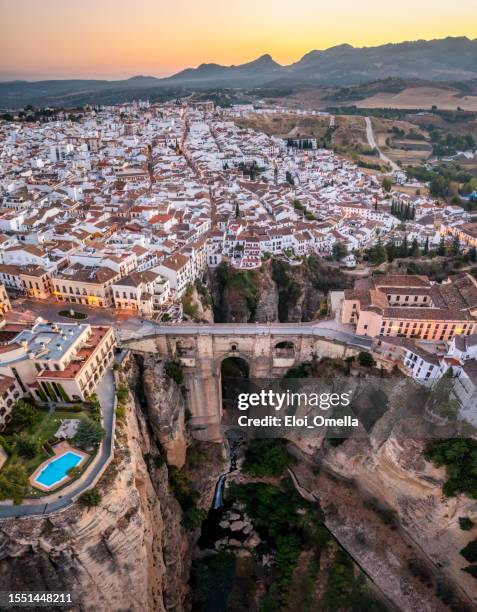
{"x":381,"y":502}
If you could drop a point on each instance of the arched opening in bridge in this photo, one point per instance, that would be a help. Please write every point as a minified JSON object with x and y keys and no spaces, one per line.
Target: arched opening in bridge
{"x":286,"y":344}
{"x":284,"y":350}
{"x":233,"y":370}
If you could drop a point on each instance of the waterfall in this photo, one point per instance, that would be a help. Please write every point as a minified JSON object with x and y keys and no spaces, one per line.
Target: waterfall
{"x":219,"y":493}
{"x":220,"y":485}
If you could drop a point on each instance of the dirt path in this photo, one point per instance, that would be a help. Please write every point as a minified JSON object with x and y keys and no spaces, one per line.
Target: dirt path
{"x":373,"y":145}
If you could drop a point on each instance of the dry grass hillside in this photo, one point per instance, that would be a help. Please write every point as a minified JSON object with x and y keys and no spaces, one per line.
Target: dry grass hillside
{"x":421,"y":97}
{"x":287,"y":125}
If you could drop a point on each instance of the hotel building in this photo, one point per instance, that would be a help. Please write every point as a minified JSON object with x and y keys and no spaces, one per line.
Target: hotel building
{"x":57,"y":362}
{"x":412,"y":306}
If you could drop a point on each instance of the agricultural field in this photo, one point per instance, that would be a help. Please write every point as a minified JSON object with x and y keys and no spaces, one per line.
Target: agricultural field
{"x":421,"y":97}
{"x":402,"y":141}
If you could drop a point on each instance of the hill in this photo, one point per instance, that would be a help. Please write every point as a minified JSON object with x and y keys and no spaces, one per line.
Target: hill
{"x":448,"y":59}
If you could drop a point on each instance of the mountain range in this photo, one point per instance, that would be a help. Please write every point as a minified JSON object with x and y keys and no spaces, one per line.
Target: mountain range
{"x":448,"y":59}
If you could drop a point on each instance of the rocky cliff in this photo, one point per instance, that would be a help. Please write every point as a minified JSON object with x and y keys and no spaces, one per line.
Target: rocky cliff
{"x":163,"y":403}
{"x":130,"y":552}
{"x":401,"y":486}
{"x":277,"y":291}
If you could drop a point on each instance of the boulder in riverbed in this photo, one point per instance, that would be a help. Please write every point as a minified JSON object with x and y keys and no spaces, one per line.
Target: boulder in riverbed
{"x":237,"y":526}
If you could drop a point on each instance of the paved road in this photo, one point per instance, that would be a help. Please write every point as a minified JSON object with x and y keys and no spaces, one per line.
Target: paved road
{"x":61,"y":500}
{"x":282,"y":329}
{"x":373,"y":145}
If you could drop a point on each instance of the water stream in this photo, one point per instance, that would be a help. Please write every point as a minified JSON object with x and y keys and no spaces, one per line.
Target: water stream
{"x":211,"y":530}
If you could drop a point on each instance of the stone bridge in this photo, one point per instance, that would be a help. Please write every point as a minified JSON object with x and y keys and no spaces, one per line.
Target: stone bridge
{"x":268,"y":350}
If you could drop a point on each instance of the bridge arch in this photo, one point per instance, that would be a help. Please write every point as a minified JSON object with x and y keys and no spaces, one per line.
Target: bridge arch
{"x":234,"y":368}
{"x":286,"y":344}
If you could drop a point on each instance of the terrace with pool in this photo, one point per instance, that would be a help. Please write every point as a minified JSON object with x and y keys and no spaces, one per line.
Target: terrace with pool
{"x":54,"y":472}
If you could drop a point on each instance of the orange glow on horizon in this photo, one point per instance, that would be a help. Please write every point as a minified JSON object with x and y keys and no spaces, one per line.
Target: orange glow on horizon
{"x":119,"y":38}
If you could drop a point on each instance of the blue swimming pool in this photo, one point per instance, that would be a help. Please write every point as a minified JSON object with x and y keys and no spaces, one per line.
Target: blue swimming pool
{"x":57,"y":470}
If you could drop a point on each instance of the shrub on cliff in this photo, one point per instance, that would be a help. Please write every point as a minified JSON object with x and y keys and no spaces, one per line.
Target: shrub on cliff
{"x":469,"y":552}
{"x":288,"y":290}
{"x":366,"y":360}
{"x":90,"y":498}
{"x":472,"y":570}
{"x":122,"y":393}
{"x":465,"y":523}
{"x":193,"y":518}
{"x":173,"y":369}
{"x":287,"y":523}
{"x":190,"y":308}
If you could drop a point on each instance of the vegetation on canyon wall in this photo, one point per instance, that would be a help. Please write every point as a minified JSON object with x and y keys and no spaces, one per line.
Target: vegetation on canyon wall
{"x":266,"y":457}
{"x":296,"y":565}
{"x":277,"y":291}
{"x":459,"y":456}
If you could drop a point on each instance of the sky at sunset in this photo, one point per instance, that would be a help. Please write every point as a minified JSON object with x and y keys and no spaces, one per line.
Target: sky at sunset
{"x":112,"y":39}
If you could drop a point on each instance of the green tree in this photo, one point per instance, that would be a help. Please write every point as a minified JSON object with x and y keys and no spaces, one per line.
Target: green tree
{"x":387,"y":184}
{"x":266,"y":457}
{"x":26,"y":447}
{"x":339,"y":251}
{"x":414,"y":252}
{"x":391,"y":251}
{"x":89,"y":433}
{"x":455,"y":246}
{"x":442,"y":248}
{"x":459,"y":456}
{"x":469,"y":187}
{"x":404,"y":248}
{"x":13,"y":483}
{"x":439,"y":186}
{"x":366,"y":359}
{"x":377,"y":253}
{"x":23,"y":414}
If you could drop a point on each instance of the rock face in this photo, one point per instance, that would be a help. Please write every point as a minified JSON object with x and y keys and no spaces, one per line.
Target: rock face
{"x":277,"y":291}
{"x":128,"y":553}
{"x":394,"y":475}
{"x":267,"y":298}
{"x":165,"y":407}
{"x":200,"y":307}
